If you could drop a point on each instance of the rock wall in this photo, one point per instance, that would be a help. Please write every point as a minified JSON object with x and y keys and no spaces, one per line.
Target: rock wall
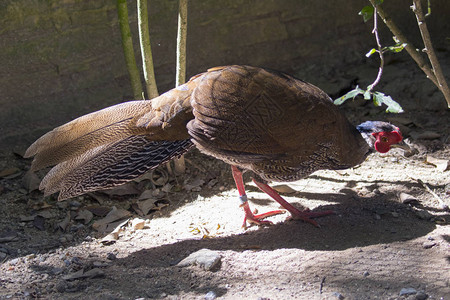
{"x":63,"y":58}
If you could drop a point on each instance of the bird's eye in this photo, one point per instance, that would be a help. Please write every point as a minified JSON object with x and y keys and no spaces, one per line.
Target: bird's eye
{"x":384,"y":139}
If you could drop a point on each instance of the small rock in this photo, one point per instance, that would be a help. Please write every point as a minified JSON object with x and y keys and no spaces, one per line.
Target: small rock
{"x":394,"y":214}
{"x":111,"y":256}
{"x":366,"y":273}
{"x":210,"y":295}
{"x":421,"y":295}
{"x":61,"y":286}
{"x":207,"y":259}
{"x":3,"y":255}
{"x":407,"y":291}
{"x":423,"y":214}
{"x":428,"y":244}
{"x":377,"y":217}
{"x":338,"y":295}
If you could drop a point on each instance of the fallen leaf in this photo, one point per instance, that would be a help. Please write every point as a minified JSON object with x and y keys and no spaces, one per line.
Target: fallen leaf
{"x":147,"y":205}
{"x":407,"y":198}
{"x":9,"y":172}
{"x":39,"y":222}
{"x":196,"y":183}
{"x":138,"y":224}
{"x":65,"y":222}
{"x":441,"y":164}
{"x":84,"y":215}
{"x":99,"y":211}
{"x":114,"y":215}
{"x":284,"y":189}
{"x":31,"y":181}
{"x":122,"y":190}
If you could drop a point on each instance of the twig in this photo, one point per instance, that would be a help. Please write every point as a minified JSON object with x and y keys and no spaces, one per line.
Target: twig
{"x":181,"y":43}
{"x":409,"y":47}
{"x":443,"y":204}
{"x":146,"y":50}
{"x":179,"y":163}
{"x":321,"y":285}
{"x":380,"y":51}
{"x":429,"y":50}
{"x":128,"y":50}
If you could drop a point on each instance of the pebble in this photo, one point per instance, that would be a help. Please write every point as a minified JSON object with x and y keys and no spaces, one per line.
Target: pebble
{"x":366,"y":273}
{"x":423,"y":214}
{"x":111,"y":256}
{"x":407,"y":291}
{"x":421,"y":295}
{"x":207,"y":259}
{"x":428,"y":244}
{"x":338,"y":295}
{"x":210,"y":295}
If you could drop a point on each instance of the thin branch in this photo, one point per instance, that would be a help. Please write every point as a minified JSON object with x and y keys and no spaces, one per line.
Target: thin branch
{"x":415,"y":55}
{"x":181,"y":43}
{"x":128,"y":50}
{"x":180,"y":165}
{"x":146,"y":50}
{"x":380,"y":51}
{"x":441,"y":83}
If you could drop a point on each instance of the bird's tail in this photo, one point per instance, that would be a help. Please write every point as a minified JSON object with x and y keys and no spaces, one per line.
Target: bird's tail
{"x":110,"y":165}
{"x":114,"y":145}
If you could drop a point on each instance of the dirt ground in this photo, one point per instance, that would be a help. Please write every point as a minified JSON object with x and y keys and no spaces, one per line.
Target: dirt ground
{"x":376,"y":246}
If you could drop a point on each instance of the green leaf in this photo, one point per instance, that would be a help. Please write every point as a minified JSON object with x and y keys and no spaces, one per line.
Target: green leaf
{"x":352,"y":94}
{"x":396,"y":48}
{"x":392,"y":105}
{"x":366,"y":12}
{"x":372,"y":51}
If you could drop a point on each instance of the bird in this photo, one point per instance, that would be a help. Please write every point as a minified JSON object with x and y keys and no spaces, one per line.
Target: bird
{"x":255,"y":119}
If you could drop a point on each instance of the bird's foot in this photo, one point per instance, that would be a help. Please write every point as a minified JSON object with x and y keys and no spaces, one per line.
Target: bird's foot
{"x":296,"y":214}
{"x":258,"y":219}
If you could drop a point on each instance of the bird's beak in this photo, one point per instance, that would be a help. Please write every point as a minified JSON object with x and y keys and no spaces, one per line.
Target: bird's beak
{"x":401,"y":145}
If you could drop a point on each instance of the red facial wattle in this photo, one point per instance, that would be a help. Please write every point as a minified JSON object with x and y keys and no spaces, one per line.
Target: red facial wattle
{"x":384,"y":140}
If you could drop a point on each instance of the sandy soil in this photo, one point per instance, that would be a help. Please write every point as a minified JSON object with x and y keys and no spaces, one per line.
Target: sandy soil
{"x":374,"y":247}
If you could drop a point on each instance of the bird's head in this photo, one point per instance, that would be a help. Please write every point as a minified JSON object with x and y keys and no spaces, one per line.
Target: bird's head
{"x":382,"y":136}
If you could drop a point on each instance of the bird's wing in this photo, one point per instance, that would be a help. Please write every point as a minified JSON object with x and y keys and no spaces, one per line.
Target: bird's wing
{"x":253,"y":113}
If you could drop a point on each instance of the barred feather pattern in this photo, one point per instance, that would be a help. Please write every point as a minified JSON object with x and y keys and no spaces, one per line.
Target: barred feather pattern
{"x":111,"y":165}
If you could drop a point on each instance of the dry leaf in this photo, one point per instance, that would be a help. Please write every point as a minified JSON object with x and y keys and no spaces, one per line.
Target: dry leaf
{"x":146,"y":205}
{"x":137,"y":223}
{"x":31,"y":181}
{"x":122,"y":190}
{"x":84,"y":215}
{"x":441,"y":164}
{"x":64,"y":223}
{"x":407,"y":198}
{"x":284,"y":189}
{"x":114,"y":215}
{"x":9,"y":171}
{"x":99,"y":211}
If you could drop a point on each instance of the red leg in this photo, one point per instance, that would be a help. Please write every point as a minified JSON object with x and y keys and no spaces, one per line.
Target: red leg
{"x":249,"y":216}
{"x":296,"y":214}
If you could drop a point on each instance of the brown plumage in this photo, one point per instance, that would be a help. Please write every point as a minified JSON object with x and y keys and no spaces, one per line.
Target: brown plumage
{"x":273,"y":124}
